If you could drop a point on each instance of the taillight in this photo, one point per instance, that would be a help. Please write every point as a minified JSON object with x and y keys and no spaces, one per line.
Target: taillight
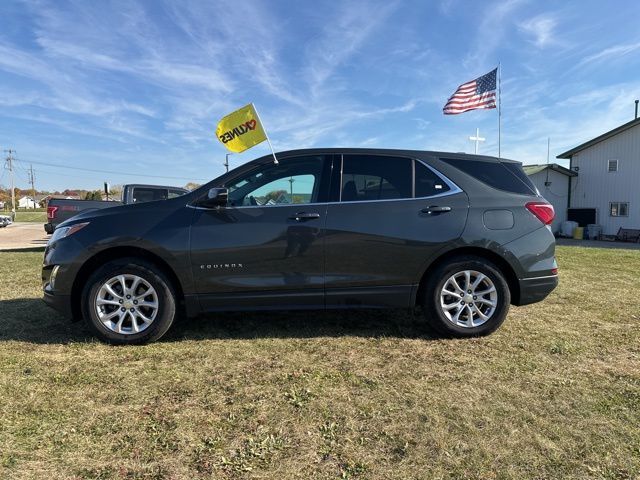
{"x":543,"y":211}
{"x":51,"y":212}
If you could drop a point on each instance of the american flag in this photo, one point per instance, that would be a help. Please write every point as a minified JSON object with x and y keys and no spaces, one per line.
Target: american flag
{"x":478,"y":93}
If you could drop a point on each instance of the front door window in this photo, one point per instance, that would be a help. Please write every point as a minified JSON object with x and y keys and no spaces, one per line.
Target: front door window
{"x":288,"y":183}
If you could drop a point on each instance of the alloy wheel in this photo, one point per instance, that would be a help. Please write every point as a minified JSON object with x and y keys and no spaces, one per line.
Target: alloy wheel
{"x":468,"y":298}
{"x":127,"y":304}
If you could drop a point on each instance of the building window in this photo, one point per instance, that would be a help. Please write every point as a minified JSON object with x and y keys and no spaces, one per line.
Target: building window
{"x":612,"y":166}
{"x":619,"y":209}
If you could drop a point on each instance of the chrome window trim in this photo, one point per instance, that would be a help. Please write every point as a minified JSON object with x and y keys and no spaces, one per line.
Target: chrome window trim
{"x":453,"y":190}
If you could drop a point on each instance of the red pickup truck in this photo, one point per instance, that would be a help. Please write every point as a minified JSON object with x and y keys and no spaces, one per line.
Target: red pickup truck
{"x":60,"y":209}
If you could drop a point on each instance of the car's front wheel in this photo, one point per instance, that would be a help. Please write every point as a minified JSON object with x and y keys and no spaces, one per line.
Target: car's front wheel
{"x":466,"y":297}
{"x":128,"y":301}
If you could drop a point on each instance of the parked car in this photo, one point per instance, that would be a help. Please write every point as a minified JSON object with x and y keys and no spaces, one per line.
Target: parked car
{"x":463,"y":236}
{"x":61,"y":209}
{"x":5,"y":220}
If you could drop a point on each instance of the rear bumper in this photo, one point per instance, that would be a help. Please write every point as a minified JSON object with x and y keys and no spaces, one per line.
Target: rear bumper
{"x":534,"y":290}
{"x":48,"y":228}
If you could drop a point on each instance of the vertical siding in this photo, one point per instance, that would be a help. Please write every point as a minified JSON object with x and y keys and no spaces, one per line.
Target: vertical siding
{"x":595,"y":187}
{"x":556,"y":194}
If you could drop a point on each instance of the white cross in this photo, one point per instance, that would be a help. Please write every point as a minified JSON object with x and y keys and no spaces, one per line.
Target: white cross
{"x":477,"y":139}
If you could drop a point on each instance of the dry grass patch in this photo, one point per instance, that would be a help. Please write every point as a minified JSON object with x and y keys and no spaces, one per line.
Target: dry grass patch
{"x":554,"y":394}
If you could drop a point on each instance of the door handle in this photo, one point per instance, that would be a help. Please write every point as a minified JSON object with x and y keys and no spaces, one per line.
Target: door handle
{"x":435,"y":210}
{"x":302,"y":216}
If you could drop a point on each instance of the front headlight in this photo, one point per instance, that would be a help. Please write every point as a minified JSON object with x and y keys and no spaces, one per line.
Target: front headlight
{"x":63,"y":232}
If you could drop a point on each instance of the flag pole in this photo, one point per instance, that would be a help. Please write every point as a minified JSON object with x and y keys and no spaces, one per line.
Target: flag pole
{"x":275,"y":159}
{"x":499,"y":109}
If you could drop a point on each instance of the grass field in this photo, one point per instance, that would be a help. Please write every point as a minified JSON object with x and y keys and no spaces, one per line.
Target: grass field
{"x":554,"y":394}
{"x":31,"y":216}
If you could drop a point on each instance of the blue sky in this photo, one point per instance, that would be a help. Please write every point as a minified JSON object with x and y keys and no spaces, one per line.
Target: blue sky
{"x":137,"y":87}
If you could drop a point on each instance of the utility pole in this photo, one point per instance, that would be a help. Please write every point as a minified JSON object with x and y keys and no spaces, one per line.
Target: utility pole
{"x":547,"y":183}
{"x":32,"y":180}
{"x":10,"y":153}
{"x":291,"y":180}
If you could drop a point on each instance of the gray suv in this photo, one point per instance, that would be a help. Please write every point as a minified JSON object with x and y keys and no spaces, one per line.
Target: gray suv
{"x":463,"y":236}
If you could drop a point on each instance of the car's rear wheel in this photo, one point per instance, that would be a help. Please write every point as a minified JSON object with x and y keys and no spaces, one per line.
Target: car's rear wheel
{"x":466,"y":297}
{"x":128,"y":301}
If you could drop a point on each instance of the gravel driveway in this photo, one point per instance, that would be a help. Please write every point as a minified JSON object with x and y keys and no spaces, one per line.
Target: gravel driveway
{"x":22,"y":235}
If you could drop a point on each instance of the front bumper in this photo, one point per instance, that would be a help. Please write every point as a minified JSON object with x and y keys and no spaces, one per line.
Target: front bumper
{"x":52,"y":296}
{"x":536,"y":289}
{"x":60,"y":303}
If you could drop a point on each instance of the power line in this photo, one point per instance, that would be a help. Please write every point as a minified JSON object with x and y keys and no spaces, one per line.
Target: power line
{"x":21,"y":172}
{"x":16,"y":163}
{"x":63,"y":174}
{"x":112,"y":172}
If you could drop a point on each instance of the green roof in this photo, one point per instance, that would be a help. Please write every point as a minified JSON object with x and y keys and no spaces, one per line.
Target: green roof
{"x":533,"y":169}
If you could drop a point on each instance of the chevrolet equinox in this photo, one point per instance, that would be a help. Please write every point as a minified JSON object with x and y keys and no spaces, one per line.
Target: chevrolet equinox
{"x":462,"y":236}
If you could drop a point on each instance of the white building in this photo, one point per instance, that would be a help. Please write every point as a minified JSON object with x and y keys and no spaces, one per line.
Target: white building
{"x":552,"y":181}
{"x":607,"y":187}
{"x":26,"y":202}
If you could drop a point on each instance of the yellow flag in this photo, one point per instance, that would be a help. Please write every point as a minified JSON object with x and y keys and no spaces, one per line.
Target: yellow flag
{"x":241,"y":129}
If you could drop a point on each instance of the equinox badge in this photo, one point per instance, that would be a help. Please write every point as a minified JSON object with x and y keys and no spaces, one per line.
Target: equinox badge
{"x":212,"y":266}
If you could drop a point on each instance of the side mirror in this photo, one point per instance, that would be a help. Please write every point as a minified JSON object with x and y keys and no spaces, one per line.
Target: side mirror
{"x":216,"y":197}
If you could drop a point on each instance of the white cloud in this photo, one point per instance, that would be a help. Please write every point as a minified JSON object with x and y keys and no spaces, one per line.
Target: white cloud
{"x":611,"y":53}
{"x":245,"y":39}
{"x":446,"y":6}
{"x":541,"y":29}
{"x":422,"y":124}
{"x":354,"y":24}
{"x":569,"y":122}
{"x":152,"y":79}
{"x":491,"y":31}
{"x":66,"y":92}
{"x":87,"y":57}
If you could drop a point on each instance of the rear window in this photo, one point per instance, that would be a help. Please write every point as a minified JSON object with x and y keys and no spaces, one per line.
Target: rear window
{"x":517,"y":170}
{"x":146,"y":194}
{"x":504,"y":176}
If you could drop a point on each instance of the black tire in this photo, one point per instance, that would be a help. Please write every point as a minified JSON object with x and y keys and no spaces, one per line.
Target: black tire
{"x":436,"y":315}
{"x":166,"y":300}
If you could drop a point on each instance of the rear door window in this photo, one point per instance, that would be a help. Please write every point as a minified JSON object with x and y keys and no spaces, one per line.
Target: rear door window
{"x":371,"y":177}
{"x":428,"y":183}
